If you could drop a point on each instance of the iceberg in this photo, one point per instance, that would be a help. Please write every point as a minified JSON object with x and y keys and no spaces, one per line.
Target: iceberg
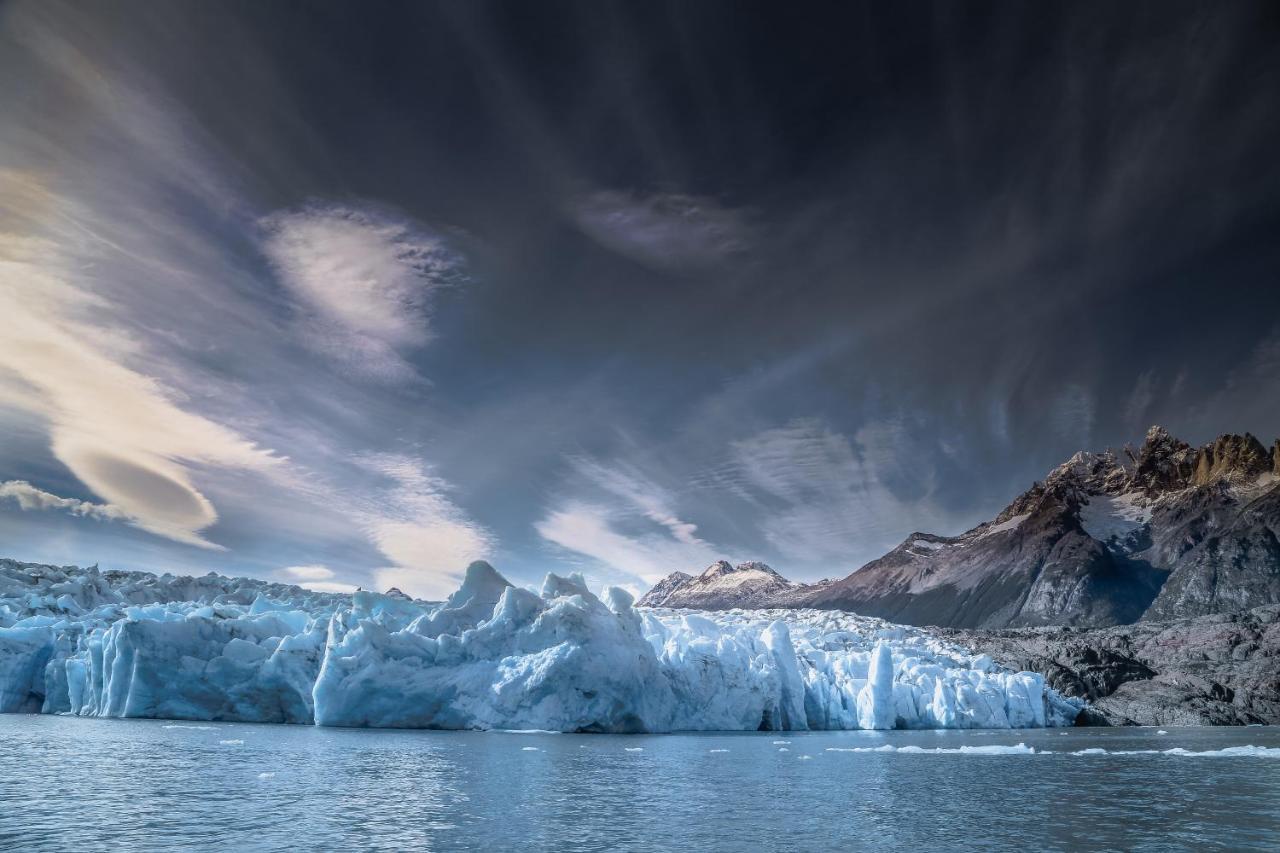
{"x":493,"y":656}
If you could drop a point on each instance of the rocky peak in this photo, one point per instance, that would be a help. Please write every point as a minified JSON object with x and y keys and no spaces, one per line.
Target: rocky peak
{"x":716,"y":569}
{"x":757,"y":566}
{"x":1164,"y":463}
{"x":660,"y":592}
{"x":1094,"y":473}
{"x":1232,"y":458}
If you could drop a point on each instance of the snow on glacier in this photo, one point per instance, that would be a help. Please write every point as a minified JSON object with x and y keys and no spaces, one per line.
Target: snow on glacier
{"x":493,"y":656}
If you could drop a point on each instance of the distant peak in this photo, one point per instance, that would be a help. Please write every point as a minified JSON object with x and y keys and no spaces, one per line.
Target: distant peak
{"x":716,"y":569}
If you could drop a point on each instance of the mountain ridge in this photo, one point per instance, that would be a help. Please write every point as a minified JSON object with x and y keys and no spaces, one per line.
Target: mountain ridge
{"x":1165,"y":531}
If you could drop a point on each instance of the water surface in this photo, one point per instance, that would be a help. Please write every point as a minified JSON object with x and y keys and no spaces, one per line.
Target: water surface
{"x":85,"y":784}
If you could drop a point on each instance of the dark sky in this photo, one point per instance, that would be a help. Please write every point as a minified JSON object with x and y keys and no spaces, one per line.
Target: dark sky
{"x":355,"y":293}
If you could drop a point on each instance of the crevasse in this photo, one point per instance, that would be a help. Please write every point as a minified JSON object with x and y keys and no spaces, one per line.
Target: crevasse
{"x":493,"y":656}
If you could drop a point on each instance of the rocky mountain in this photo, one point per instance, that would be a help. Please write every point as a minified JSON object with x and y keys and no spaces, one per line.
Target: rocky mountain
{"x":1166,"y":531}
{"x":722,"y":586}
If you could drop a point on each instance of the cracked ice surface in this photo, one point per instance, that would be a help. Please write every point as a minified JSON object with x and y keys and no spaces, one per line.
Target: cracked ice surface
{"x":493,"y":656}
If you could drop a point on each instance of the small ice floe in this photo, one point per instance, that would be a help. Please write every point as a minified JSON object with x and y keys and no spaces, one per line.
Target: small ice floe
{"x":805,"y":758}
{"x":181,"y":726}
{"x":1162,"y":732}
{"x":267,"y":775}
{"x":634,"y":748}
{"x":992,"y":749}
{"x":528,"y":749}
{"x":717,"y":750}
{"x":776,"y":742}
{"x":1249,"y":751}
{"x":232,"y":742}
{"x":783,"y":749}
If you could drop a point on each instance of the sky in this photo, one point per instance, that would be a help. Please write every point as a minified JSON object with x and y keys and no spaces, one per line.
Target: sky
{"x":354,"y":294}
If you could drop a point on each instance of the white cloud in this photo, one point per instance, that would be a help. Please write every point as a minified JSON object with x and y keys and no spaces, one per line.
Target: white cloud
{"x":328,"y":586}
{"x":665,"y":231}
{"x":629,"y":527}
{"x":30,"y":498}
{"x":308,"y":573}
{"x":588,"y":529}
{"x":653,"y":501}
{"x":413,"y":523}
{"x":362,"y":283}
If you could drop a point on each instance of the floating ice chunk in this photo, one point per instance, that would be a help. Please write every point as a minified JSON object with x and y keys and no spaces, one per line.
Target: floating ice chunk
{"x":1161,"y":732}
{"x":911,"y":749}
{"x":717,"y":750}
{"x":232,"y":742}
{"x":1249,"y":751}
{"x":633,"y":748}
{"x":528,"y":749}
{"x":267,"y":775}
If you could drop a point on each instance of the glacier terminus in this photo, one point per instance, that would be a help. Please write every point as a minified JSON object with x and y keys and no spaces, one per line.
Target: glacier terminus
{"x":493,"y":656}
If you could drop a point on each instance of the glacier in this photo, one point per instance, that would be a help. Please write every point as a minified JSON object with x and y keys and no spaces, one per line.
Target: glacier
{"x":492,"y":656}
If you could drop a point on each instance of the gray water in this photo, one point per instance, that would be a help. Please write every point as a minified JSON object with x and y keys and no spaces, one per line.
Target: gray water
{"x":83,"y":784}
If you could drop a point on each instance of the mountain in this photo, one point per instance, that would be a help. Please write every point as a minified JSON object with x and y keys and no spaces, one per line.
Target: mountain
{"x":722,"y":586}
{"x":1168,"y":531}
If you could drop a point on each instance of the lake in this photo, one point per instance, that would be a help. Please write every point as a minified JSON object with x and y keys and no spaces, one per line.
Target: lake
{"x":84,"y":784}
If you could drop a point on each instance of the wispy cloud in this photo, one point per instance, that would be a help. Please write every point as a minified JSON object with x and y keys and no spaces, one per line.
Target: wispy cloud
{"x":30,"y":498}
{"x":664,"y":231}
{"x":629,"y":527}
{"x":362,"y":282}
{"x":831,"y":500}
{"x":641,"y":493}
{"x":633,"y":559}
{"x":415,"y":525}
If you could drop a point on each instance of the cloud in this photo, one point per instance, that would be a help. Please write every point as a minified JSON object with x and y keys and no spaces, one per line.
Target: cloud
{"x":626,"y":523}
{"x":663,"y":231}
{"x":637,"y":559}
{"x":122,"y":432}
{"x":30,"y":498}
{"x":429,"y":540}
{"x":640,"y":492}
{"x":362,"y":283}
{"x":833,"y":501}
{"x":308,"y":573}
{"x":316,"y":578}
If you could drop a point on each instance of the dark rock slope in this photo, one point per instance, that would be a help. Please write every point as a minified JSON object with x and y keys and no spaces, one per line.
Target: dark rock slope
{"x":1221,"y":669}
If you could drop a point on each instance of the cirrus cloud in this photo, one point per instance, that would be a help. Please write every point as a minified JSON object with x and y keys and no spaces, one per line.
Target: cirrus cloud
{"x":664,"y":231}
{"x":361,"y":282}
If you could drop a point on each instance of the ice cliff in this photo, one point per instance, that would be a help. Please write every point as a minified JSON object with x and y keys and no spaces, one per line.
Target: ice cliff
{"x":493,"y":656}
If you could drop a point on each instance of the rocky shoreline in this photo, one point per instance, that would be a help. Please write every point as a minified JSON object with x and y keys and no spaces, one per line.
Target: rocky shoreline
{"x":1220,"y":669}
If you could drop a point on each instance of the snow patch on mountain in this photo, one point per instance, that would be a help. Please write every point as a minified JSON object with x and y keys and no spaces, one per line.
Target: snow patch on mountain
{"x":1107,"y":518}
